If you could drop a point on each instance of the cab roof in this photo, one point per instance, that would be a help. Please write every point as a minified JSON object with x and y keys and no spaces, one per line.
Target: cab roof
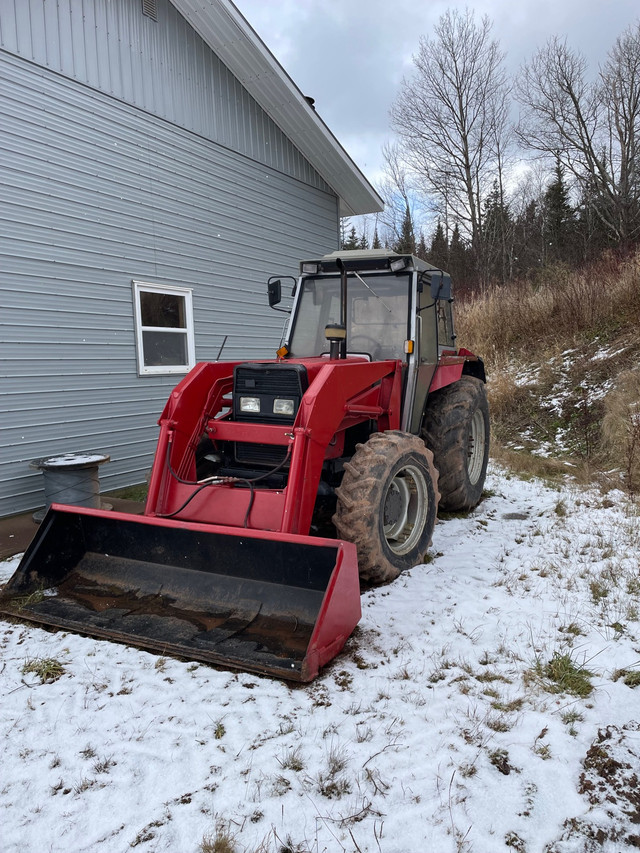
{"x":368,"y":259}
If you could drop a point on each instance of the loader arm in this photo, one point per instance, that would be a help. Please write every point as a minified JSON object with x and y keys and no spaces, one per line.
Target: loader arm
{"x":197,"y":397}
{"x":340,"y":394}
{"x":343,"y":394}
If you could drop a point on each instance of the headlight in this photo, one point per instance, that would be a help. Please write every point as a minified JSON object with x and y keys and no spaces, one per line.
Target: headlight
{"x":283,"y":407}
{"x":398,"y":264}
{"x":249,"y":404}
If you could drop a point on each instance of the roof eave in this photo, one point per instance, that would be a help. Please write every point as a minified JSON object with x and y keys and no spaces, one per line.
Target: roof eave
{"x":239,"y":47}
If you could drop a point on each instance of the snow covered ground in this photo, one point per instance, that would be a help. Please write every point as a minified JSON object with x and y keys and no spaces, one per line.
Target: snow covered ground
{"x":439,"y":728}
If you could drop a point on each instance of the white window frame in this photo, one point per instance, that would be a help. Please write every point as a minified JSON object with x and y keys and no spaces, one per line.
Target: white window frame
{"x":163,"y":369}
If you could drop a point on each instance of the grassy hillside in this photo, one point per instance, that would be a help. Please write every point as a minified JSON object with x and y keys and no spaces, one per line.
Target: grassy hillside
{"x":562,"y":354}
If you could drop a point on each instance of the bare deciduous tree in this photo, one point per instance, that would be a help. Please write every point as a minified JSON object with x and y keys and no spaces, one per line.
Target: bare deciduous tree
{"x":451,"y":119}
{"x":591,"y":127}
{"x":621,"y":93}
{"x":395,"y":190}
{"x":399,"y":195}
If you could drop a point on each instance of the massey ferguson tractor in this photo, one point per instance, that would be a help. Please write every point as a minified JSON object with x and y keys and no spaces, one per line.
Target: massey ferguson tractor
{"x":368,"y":415}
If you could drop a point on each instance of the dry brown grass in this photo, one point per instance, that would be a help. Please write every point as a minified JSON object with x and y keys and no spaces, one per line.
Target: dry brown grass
{"x":541,"y":467}
{"x":510,"y":403}
{"x":538,"y":390}
{"x":557,"y":306}
{"x":621,"y":427}
{"x":219,"y":842}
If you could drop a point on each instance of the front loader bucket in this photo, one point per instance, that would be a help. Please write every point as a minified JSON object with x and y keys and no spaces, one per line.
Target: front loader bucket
{"x":253,"y":600}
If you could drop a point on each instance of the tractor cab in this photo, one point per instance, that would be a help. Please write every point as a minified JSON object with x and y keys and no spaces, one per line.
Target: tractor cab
{"x":387,"y":299}
{"x":383,"y":306}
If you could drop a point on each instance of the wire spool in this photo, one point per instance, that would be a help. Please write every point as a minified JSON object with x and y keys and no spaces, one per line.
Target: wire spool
{"x":71,"y":478}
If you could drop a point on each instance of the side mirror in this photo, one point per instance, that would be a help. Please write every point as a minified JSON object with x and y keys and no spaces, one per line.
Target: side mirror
{"x":440,"y":286}
{"x":274,"y":291}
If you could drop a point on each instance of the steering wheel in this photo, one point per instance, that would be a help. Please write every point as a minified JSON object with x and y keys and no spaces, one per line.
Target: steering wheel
{"x":368,"y":339}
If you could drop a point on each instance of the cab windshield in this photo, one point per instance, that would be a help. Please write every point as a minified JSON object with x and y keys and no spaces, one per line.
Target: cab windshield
{"x":377,"y":315}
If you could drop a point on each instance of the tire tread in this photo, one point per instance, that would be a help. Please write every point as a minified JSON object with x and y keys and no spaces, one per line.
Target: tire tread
{"x":354,"y":519}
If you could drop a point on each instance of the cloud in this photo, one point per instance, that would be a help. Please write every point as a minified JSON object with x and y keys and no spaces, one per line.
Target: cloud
{"x":351,"y":57}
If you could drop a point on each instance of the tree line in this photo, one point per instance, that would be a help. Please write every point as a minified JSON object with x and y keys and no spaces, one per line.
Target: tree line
{"x":559,"y":185}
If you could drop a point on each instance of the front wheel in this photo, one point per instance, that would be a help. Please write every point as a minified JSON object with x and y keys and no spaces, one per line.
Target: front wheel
{"x":387,"y":504}
{"x":456,"y":428}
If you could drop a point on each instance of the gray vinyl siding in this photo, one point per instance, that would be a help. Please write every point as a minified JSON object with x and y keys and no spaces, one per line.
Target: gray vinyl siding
{"x":97,"y":192}
{"x":162,"y":67}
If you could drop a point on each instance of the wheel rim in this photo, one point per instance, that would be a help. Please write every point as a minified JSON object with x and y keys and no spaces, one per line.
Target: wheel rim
{"x":406,"y":504}
{"x":475,"y":450}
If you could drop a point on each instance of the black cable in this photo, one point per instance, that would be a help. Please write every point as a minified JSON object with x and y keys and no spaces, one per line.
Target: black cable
{"x":225,"y":481}
{"x":188,"y":501}
{"x":245,"y":523}
{"x":251,"y":482}
{"x":173,"y":473}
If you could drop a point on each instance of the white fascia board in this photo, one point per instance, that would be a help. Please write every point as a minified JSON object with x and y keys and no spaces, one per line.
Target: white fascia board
{"x":239,"y":47}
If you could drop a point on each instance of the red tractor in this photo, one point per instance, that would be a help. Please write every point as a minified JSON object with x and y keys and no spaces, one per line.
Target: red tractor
{"x":369,"y":415}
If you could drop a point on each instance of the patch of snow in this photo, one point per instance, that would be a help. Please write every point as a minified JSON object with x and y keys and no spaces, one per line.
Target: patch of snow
{"x":527,"y":376}
{"x":68,"y":460}
{"x":544,"y":449}
{"x":606,"y":352}
{"x":430,"y":732}
{"x":599,"y":392}
{"x":8,"y":567}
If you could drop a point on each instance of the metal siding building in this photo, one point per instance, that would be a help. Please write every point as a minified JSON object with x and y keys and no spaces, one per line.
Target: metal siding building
{"x":129,"y":151}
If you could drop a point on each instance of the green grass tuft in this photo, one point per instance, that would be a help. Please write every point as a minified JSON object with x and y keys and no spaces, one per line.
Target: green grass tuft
{"x":630,"y":677}
{"x":47,"y":669}
{"x":35,"y":597}
{"x":220,"y":841}
{"x":562,"y":675}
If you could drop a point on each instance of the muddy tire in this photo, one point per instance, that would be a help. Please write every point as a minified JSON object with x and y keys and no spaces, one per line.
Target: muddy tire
{"x":387,"y":504}
{"x":456,"y":429}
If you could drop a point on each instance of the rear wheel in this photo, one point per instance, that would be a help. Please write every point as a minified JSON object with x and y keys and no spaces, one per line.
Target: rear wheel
{"x":387,"y":504}
{"x":456,"y":428}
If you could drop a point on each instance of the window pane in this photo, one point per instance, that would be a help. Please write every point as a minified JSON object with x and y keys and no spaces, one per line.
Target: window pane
{"x":163,"y":309}
{"x":444,"y":323}
{"x":164,"y":348}
{"x":377,"y":315}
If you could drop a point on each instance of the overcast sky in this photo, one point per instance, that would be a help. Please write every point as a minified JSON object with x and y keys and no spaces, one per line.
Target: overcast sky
{"x":351,"y":55}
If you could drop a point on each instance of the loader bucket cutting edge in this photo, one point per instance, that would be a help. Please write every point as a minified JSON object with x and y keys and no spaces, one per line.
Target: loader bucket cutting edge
{"x":267,"y":602}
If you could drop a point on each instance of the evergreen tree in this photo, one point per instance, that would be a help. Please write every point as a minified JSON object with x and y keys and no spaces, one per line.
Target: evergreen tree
{"x":421,"y":249}
{"x":592,"y":236}
{"x":439,"y":251}
{"x":497,"y":230}
{"x":527,"y":240}
{"x":461,"y":263}
{"x":376,"y":240}
{"x":351,"y":241}
{"x":559,"y":229}
{"x":406,"y":243}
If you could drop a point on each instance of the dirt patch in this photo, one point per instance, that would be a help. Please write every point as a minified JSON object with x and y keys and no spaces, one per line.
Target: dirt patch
{"x":609,"y":781}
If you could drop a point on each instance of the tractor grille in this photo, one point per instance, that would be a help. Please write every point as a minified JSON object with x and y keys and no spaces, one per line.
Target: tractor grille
{"x":269,"y":455}
{"x":272,"y":380}
{"x":266,"y":383}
